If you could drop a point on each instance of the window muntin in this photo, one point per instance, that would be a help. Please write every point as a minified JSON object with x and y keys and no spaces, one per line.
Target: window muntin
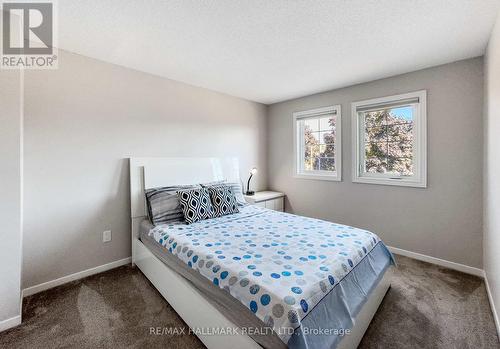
{"x":390,"y":140}
{"x":317,"y":139}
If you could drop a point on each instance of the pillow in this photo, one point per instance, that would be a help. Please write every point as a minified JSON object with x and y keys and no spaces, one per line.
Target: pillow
{"x":196,"y":204}
{"x":223,"y":200}
{"x":211,"y":184}
{"x":163,"y":204}
{"x":236,"y":188}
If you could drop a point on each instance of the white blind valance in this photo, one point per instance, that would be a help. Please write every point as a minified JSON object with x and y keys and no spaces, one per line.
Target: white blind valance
{"x":315,"y":113}
{"x":388,"y":105}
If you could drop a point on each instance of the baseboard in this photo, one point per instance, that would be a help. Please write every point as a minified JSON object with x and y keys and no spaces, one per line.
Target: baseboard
{"x":492,"y":305}
{"x":72,"y":277}
{"x":9,"y":323}
{"x":433,"y":260}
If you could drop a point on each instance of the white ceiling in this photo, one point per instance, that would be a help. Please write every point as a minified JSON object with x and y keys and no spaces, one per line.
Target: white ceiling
{"x":272,"y":50}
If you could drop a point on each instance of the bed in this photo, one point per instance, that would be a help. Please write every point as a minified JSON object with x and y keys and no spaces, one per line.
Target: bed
{"x":257,"y":278}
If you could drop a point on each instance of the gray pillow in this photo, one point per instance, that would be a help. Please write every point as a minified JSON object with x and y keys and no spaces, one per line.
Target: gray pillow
{"x":236,"y":188}
{"x":163,"y":204}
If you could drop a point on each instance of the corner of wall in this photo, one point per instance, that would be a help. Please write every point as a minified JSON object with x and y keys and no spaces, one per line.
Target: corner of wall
{"x":491,"y":192}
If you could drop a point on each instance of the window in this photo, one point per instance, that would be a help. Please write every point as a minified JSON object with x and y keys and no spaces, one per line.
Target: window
{"x":390,"y":140}
{"x":318,"y":144}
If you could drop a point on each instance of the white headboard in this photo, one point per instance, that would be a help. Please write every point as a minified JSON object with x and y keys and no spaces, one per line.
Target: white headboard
{"x":146,"y":173}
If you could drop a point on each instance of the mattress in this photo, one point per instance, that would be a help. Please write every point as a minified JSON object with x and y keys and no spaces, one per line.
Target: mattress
{"x":291,"y":273}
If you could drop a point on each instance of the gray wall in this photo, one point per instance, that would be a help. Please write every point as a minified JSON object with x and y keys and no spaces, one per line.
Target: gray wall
{"x":81,"y":122}
{"x":443,"y":220}
{"x":492,"y":168}
{"x":10,"y":194}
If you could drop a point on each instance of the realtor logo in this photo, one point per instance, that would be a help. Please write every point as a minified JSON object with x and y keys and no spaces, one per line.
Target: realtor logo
{"x":28,"y":36}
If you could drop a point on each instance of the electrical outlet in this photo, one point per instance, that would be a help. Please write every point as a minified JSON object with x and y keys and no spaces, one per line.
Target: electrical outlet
{"x":106,"y":236}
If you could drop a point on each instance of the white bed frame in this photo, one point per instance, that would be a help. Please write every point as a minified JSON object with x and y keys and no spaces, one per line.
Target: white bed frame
{"x":187,"y":301}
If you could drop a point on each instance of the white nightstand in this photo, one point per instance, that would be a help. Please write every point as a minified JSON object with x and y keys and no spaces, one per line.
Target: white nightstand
{"x":269,"y":199}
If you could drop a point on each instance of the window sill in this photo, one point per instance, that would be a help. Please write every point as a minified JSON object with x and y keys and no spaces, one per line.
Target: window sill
{"x":388,"y":181}
{"x":318,"y":177}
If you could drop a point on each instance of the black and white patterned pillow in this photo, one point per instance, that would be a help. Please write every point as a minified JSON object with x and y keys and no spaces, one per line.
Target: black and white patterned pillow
{"x":223,"y":200}
{"x":235,"y":187}
{"x":196,"y":204}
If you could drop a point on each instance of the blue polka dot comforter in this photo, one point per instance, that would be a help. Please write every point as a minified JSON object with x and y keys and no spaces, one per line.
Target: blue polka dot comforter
{"x":278,"y":265}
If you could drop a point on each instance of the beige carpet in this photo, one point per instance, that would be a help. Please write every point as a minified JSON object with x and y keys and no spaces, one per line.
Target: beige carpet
{"x":427,"y":307}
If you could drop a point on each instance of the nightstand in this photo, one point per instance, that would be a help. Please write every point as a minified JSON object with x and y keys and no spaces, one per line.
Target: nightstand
{"x":272,"y":200}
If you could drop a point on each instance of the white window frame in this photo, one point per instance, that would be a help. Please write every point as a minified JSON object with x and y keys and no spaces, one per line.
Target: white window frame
{"x":299,"y":171}
{"x":419,"y":179}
